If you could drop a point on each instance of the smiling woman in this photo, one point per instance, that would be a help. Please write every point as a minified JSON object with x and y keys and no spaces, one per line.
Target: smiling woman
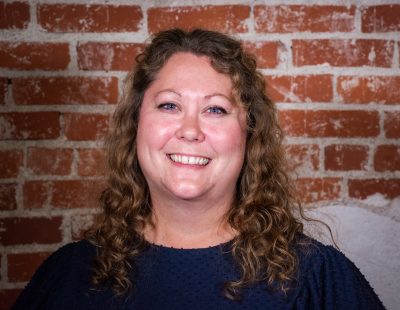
{"x":199,"y":212}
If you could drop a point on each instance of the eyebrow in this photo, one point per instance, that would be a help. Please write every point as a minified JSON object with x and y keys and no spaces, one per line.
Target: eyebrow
{"x":206,"y":97}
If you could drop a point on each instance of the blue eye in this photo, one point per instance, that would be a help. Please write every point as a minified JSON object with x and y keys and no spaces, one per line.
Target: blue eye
{"x":216,"y":110}
{"x":167,"y":106}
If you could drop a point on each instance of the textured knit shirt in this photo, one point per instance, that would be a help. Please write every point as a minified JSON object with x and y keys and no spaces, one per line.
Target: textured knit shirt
{"x":169,"y":278}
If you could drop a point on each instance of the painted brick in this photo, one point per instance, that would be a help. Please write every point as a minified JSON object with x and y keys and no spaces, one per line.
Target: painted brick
{"x":66,"y":90}
{"x":14,"y":15}
{"x":392,"y":124}
{"x":266,"y":52}
{"x":320,"y":189}
{"x":8,"y":196}
{"x":300,"y":18}
{"x":326,"y":123}
{"x":303,"y":157}
{"x":300,"y":88}
{"x":34,"y":55}
{"x":346,"y":157}
{"x":8,"y":297}
{"x":362,"y":189}
{"x":77,"y":193}
{"x":89,"y":17}
{"x":80,"y":223}
{"x":40,"y":230}
{"x":107,"y":56}
{"x":80,"y":126}
{"x":3,"y":90}
{"x":387,"y":158}
{"x":29,"y":125}
{"x":223,"y":18}
{"x":22,"y":266}
{"x":49,"y":161}
{"x":369,"y":89}
{"x":380,"y":18}
{"x":343,"y":53}
{"x":11,"y":161}
{"x":91,"y":162}
{"x":37,"y":194}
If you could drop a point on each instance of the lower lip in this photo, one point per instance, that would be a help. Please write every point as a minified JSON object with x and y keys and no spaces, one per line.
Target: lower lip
{"x":192,"y":166}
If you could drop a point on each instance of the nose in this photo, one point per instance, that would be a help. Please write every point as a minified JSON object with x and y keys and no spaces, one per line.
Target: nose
{"x":190,"y":129}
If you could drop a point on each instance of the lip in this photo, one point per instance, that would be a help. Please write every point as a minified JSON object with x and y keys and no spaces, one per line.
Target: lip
{"x":189,"y":159}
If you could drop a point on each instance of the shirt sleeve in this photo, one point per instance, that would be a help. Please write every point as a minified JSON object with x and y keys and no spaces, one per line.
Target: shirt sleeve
{"x":46,"y":281}
{"x":332,"y":281}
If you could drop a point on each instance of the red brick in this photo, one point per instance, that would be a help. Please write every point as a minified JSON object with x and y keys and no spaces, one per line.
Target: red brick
{"x":107,"y":56}
{"x":3,"y":90}
{"x":327,"y":123}
{"x":303,"y":157}
{"x":300,"y":18}
{"x":34,"y":55}
{"x":380,"y":18}
{"x":344,"y":124}
{"x":223,"y":18}
{"x":36,"y":194}
{"x":76,"y":193}
{"x":22,"y":266}
{"x":8,"y":297}
{"x":10,"y":163}
{"x":91,"y":162}
{"x":80,"y":223}
{"x":266,"y":52}
{"x":39,"y":230}
{"x":66,"y":90}
{"x":80,"y":126}
{"x":369,"y":89}
{"x":292,"y":122}
{"x":321,"y":189}
{"x":346,"y":157}
{"x":49,"y":161}
{"x":361,"y":189}
{"x":89,"y":17}
{"x":301,"y":88}
{"x":343,"y":53}
{"x":14,"y":15}
{"x":8,"y":197}
{"x":387,"y":158}
{"x":29,"y":125}
{"x":392,"y":124}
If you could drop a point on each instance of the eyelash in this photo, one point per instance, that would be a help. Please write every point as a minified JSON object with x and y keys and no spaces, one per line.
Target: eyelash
{"x":220,"y":110}
{"x":168,"y":106}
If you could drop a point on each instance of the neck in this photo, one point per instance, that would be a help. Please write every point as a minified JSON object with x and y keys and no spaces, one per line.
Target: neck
{"x":188,"y":224}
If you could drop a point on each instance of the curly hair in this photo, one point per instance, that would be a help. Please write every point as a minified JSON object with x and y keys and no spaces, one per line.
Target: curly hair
{"x":266,"y":212}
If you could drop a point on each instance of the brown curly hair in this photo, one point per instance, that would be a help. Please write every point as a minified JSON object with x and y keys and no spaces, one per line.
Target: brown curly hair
{"x":266,"y":212}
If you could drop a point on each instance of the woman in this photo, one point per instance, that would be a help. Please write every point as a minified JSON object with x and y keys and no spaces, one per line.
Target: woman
{"x":199,"y":212}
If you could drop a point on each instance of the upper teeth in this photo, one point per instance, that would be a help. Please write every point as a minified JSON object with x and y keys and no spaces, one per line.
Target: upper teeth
{"x":189,"y":160}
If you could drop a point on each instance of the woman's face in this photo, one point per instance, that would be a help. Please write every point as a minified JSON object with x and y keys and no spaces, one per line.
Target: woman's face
{"x":191,"y":135}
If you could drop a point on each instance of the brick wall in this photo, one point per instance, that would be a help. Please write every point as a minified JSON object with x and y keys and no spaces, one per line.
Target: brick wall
{"x":332,"y":69}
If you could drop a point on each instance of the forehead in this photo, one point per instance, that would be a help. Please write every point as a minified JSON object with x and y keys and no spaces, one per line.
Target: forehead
{"x":189,"y":71}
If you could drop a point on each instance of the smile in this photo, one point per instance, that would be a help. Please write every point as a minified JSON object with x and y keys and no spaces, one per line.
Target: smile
{"x":189,"y":160}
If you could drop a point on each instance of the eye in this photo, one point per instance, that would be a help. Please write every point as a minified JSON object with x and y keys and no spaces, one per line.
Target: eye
{"x":168,"y":106}
{"x":216,"y":110}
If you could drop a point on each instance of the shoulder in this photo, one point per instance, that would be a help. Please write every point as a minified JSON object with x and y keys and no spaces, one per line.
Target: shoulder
{"x":66,"y":268}
{"x":331,"y":278}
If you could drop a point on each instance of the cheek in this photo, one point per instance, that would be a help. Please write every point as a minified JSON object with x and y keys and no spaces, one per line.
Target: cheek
{"x":230,"y":139}
{"x":154,"y":133}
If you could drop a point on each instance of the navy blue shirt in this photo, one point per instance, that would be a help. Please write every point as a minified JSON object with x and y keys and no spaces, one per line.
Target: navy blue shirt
{"x":169,"y":278}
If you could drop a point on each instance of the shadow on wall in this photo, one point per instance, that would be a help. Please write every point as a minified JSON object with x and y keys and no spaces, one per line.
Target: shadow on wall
{"x":369,"y":236}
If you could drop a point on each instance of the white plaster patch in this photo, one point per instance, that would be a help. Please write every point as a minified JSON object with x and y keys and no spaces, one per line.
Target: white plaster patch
{"x":371,"y":241}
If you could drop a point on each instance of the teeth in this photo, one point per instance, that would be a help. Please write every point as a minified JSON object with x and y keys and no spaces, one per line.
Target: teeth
{"x":189,"y":160}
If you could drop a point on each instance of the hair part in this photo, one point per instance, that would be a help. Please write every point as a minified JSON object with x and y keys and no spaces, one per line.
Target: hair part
{"x":264,"y":213}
